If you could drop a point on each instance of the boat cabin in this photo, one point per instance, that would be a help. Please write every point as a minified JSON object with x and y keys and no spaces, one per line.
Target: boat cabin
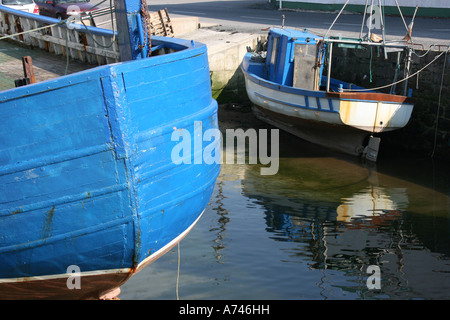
{"x":295,"y":58}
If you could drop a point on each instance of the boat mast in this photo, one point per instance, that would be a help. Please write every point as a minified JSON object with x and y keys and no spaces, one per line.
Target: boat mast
{"x":330,"y":56}
{"x":363,"y":20}
{"x":383,"y":31}
{"x":133,"y":37}
{"x":370,"y":21}
{"x":369,"y":41}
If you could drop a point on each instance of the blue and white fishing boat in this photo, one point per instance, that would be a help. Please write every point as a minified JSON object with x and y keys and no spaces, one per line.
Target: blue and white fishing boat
{"x":89,"y":193}
{"x":288,"y":88}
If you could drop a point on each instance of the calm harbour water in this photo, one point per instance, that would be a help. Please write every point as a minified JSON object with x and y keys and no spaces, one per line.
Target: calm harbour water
{"x":311,"y":232}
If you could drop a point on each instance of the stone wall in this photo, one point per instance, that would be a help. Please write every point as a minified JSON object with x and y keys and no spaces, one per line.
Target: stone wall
{"x":227,"y":79}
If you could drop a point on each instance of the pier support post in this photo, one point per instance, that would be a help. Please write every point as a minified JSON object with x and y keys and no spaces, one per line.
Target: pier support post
{"x":130,"y":31}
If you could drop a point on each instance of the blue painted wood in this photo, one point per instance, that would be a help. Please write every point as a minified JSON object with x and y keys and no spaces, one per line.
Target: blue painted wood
{"x":280,"y":60}
{"x":86,"y":175}
{"x":276,"y":72}
{"x":130,"y":30}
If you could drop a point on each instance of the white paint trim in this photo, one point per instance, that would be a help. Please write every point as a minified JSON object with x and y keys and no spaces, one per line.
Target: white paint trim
{"x":172,"y":243}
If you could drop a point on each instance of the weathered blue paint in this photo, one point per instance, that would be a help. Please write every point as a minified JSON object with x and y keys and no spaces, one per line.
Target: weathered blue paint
{"x":276,"y":72}
{"x":86,"y":175}
{"x":280,"y":60}
{"x":131,"y":31}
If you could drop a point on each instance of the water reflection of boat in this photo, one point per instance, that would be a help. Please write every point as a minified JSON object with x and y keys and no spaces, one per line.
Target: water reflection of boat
{"x":374,"y":202}
{"x":351,"y":221}
{"x":370,"y":204}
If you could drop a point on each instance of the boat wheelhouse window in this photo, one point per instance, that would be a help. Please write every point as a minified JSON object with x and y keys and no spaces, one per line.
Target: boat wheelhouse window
{"x":274,"y":49}
{"x":306,"y":74}
{"x":272,"y":57}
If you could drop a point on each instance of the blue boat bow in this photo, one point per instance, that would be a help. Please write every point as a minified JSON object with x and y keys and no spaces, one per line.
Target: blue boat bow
{"x":88,"y":187}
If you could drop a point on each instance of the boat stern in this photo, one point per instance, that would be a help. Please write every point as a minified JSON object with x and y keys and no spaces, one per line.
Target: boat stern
{"x":374,"y":112}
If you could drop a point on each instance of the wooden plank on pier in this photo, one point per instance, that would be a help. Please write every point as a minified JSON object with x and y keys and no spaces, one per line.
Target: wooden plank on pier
{"x":161,"y":25}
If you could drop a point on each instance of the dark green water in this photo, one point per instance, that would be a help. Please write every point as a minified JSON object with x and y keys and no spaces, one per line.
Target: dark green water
{"x":311,"y":232}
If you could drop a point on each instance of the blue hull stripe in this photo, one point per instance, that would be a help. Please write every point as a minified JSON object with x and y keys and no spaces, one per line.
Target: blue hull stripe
{"x":62,"y":200}
{"x":53,"y":159}
{"x":292,"y":104}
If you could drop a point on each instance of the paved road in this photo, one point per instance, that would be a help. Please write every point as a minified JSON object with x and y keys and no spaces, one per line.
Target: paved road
{"x":253,"y":15}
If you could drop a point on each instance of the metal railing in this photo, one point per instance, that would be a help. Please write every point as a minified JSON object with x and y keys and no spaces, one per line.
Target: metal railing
{"x":85,"y":43}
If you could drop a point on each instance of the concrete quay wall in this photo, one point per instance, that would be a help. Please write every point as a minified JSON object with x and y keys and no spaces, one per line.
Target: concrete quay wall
{"x":225,"y":53}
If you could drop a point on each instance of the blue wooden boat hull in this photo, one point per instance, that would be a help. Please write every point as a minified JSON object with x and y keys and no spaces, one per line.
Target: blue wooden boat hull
{"x":86,"y":175}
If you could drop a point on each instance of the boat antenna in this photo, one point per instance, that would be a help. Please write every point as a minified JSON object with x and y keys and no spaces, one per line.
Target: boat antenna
{"x":369,"y":33}
{"x":383,"y":31}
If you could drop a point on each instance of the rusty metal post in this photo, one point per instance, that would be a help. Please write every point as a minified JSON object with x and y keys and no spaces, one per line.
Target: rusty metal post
{"x":21,"y":82}
{"x":28,"y":71}
{"x":130,"y":30}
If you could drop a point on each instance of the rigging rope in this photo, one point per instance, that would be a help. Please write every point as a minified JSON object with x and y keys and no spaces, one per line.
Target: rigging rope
{"x":439,"y":105}
{"x":406,"y":78}
{"x":178,"y":271}
{"x":112,"y":26}
{"x":336,"y":18}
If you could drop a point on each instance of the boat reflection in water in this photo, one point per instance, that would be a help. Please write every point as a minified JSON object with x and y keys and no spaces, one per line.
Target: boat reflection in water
{"x":311,"y":232}
{"x":349,"y":217}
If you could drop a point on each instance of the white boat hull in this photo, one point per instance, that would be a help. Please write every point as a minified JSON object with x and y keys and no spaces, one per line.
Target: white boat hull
{"x":340,"y":121}
{"x":341,"y":138}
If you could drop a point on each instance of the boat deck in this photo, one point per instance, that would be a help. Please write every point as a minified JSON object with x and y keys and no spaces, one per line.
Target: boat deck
{"x":46,"y":66}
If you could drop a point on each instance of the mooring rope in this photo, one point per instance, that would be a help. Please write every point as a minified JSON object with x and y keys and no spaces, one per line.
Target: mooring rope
{"x":112,"y":26}
{"x":178,"y":271}
{"x":66,"y":22}
{"x":32,"y":30}
{"x":62,"y":22}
